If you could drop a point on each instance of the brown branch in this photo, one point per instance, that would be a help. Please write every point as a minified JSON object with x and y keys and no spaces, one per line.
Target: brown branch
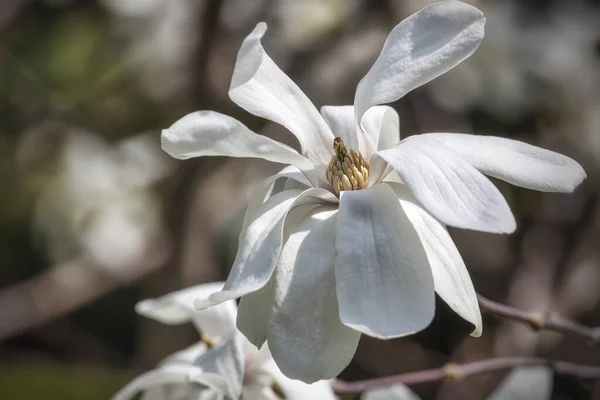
{"x":455,"y":372}
{"x":538,"y":321}
{"x":66,"y":287}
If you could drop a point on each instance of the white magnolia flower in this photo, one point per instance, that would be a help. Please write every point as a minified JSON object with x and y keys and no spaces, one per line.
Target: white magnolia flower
{"x":347,"y":246}
{"x":223,"y":366}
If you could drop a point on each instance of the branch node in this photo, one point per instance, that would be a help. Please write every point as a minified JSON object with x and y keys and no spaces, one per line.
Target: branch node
{"x":452,"y":372}
{"x":536,"y":321}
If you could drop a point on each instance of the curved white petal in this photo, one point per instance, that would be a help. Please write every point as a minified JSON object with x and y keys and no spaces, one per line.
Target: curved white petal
{"x":166,"y":375}
{"x":382,"y":124}
{"x":261,"y":88}
{"x":419,"y":49}
{"x":516,"y":162}
{"x":526,"y":383}
{"x":397,"y":391}
{"x":297,"y":390}
{"x":448,"y":187}
{"x":209,"y":133}
{"x":178,"y":307}
{"x":261,"y":244}
{"x":265,"y":190}
{"x":254,"y":314}
{"x":342,"y":123}
{"x":306,"y":337}
{"x":383,"y":278}
{"x":223,"y":367}
{"x":450,"y":276}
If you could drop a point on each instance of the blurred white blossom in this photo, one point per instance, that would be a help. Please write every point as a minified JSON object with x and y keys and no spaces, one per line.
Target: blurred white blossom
{"x":355,"y":242}
{"x":224,"y":366}
{"x":99,"y":204}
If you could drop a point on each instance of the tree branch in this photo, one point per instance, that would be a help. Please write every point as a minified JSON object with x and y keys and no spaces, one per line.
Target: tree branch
{"x":455,"y":372}
{"x":538,"y":321}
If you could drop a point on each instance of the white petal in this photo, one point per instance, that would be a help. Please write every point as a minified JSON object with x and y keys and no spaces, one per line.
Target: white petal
{"x":382,"y":124}
{"x":261,"y":243}
{"x":342,"y":123}
{"x":419,"y":49}
{"x":516,"y":162}
{"x":450,"y":276}
{"x":383,"y":278}
{"x":297,"y":390}
{"x":254,"y":314}
{"x":525,"y":383}
{"x":208,"y":133}
{"x":395,"y":392}
{"x":306,"y":337}
{"x":178,"y":307}
{"x":265,"y":190}
{"x":448,"y":187}
{"x":261,"y":88}
{"x":166,"y":375}
{"x":223,"y":367}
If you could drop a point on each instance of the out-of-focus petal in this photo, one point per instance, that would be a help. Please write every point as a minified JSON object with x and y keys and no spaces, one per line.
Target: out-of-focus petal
{"x":306,"y":337}
{"x":448,"y":187}
{"x":209,"y":133}
{"x":261,"y":88}
{"x":525,"y":383}
{"x":394,"y":392}
{"x":516,"y":162}
{"x":383,"y":278}
{"x":178,"y":307}
{"x":419,"y":49}
{"x":450,"y":276}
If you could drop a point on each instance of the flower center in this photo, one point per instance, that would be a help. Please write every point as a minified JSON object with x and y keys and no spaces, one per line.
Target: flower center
{"x":347,"y":170}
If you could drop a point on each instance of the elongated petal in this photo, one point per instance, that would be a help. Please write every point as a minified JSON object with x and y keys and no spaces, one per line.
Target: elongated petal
{"x":261,"y":88}
{"x":254,"y":312}
{"x":450,"y":276}
{"x":448,"y":187}
{"x":223,"y":367}
{"x":342,"y":123}
{"x":178,"y":307}
{"x":382,"y":124}
{"x":265,"y":190}
{"x":394,"y":392}
{"x":383,"y":278}
{"x":306,"y":337}
{"x":261,"y":244}
{"x":209,"y":133}
{"x":296,"y":390}
{"x":419,"y":49}
{"x":516,"y":162}
{"x":166,"y":375}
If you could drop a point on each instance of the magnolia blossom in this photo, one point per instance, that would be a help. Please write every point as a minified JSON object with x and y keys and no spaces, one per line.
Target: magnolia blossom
{"x":355,"y":242}
{"x":222,"y":366}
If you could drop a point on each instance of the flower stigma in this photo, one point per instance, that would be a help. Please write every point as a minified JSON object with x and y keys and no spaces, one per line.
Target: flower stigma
{"x":347,"y":170}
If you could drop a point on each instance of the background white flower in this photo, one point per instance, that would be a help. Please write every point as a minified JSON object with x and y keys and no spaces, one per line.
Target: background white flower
{"x":381,"y":243}
{"x":231,"y":368}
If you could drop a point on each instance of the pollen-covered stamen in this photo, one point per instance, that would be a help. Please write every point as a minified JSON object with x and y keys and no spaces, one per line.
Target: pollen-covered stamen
{"x":347,"y":170}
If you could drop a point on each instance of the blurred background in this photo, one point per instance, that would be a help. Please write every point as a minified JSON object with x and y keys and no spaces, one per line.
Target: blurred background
{"x":95,"y":217}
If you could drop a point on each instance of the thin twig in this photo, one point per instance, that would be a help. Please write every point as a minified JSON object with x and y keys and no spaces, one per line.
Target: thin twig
{"x":455,"y":372}
{"x":538,"y":321}
{"x":66,"y":287}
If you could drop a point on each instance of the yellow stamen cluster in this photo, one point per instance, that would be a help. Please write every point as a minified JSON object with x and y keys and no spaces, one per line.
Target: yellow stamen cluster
{"x":347,"y":170}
